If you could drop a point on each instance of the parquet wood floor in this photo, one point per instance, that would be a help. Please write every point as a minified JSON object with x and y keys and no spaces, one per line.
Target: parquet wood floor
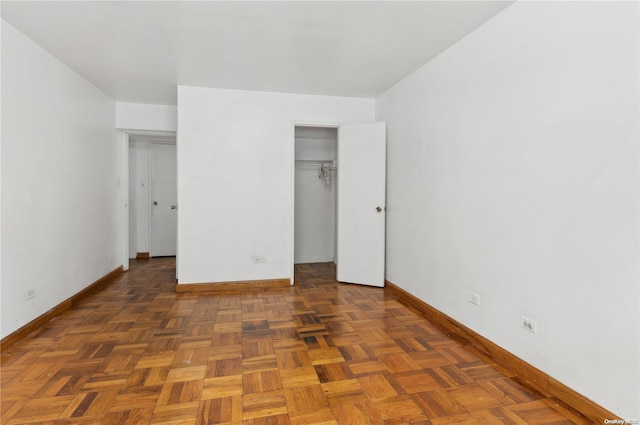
{"x":317,"y":353}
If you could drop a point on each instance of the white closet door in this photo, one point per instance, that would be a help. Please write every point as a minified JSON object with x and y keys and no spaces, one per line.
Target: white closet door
{"x":361,"y":186}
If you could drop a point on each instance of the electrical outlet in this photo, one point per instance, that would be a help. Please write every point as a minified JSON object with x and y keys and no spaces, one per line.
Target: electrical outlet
{"x":528,"y":324}
{"x":474,"y":298}
{"x":255,"y":259}
{"x":29,"y":293}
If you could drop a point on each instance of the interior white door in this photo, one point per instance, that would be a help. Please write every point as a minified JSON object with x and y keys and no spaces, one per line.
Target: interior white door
{"x":361,"y":188}
{"x":164,"y":206}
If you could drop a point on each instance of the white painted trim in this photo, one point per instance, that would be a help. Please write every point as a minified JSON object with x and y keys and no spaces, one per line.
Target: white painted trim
{"x":160,"y":133}
{"x":293,"y":182}
{"x":293,"y":200}
{"x":149,"y":196}
{"x":124,"y":192}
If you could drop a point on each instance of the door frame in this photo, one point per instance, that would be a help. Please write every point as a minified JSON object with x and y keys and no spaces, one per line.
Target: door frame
{"x":124,"y":200}
{"x":124,"y":186}
{"x":151,"y":143}
{"x":293,"y":180}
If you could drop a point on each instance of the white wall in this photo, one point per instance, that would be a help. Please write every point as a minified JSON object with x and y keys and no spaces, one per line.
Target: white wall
{"x":138,"y":116}
{"x":235,"y":175}
{"x":513,"y":172}
{"x":1,"y":332}
{"x":60,"y":181}
{"x":315,"y":200}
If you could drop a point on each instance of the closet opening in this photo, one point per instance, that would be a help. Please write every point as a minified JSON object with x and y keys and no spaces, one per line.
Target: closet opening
{"x":315,"y":150}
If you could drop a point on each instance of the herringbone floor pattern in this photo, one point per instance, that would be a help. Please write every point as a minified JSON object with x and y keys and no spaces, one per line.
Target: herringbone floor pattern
{"x":317,"y":353}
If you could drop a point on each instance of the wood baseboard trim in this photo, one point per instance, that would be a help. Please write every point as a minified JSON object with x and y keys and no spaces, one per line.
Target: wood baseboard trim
{"x":533,"y":376}
{"x":65,"y":305}
{"x":97,"y":285}
{"x":241,"y":285}
{"x":142,"y":256}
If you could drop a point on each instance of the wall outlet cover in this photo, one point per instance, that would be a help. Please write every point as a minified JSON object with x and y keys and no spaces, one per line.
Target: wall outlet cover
{"x":528,"y":324}
{"x":255,"y":259}
{"x":29,"y":293}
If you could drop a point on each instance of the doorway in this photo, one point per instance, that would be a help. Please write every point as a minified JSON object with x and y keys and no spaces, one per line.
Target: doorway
{"x":152,"y":174}
{"x":315,"y":150}
{"x":344,"y":221}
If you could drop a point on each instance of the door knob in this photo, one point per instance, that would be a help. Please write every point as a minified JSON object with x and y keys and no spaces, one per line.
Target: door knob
{"x":379,"y":209}
{"x":174,"y":207}
{"x":155,"y":202}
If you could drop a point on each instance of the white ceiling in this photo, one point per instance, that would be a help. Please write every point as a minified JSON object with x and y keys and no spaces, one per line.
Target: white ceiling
{"x":138,"y":51}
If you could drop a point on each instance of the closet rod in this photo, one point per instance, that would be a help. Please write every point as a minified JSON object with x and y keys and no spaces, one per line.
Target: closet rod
{"x":316,"y":161}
